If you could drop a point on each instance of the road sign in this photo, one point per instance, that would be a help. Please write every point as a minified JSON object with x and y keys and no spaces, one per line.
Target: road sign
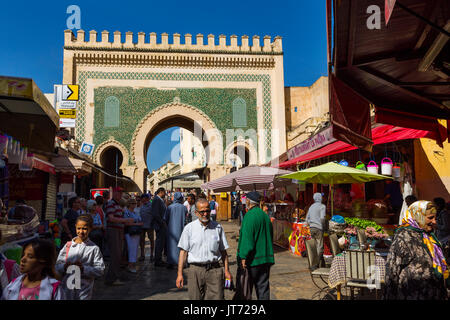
{"x":66,"y":105}
{"x":66,"y":123}
{"x":69,"y":92}
{"x":87,"y":148}
{"x":67,"y":113}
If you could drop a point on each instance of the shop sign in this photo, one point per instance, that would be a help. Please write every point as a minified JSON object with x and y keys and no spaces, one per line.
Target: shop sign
{"x":66,"y":123}
{"x":318,"y":141}
{"x":16,"y":87}
{"x":87,"y":148}
{"x":66,"y":104}
{"x":67,"y":113}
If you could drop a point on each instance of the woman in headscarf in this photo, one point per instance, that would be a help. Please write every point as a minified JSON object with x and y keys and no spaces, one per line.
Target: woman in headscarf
{"x":416,"y":268}
{"x":175,"y":217}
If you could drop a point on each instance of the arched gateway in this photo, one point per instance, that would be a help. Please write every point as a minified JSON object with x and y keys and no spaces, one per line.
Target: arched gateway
{"x":130,"y":92}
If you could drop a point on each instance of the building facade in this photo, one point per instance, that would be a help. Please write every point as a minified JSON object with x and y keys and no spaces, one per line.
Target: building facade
{"x":227,"y":95}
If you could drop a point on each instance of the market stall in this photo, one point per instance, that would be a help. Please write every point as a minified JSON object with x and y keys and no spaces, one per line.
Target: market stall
{"x":28,"y":124}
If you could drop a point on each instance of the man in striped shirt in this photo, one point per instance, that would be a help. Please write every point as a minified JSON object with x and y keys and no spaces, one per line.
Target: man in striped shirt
{"x":114,"y":234}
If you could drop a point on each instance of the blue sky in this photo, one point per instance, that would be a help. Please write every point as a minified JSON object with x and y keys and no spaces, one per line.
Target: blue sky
{"x":32,"y":37}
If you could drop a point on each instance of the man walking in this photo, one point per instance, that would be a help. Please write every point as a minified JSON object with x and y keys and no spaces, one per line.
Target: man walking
{"x":175,"y":219}
{"x":315,"y":218}
{"x":205,"y":244}
{"x":191,"y":216}
{"x":255,"y":250}
{"x":159,"y":225}
{"x":214,"y":206}
{"x":146,"y":215}
{"x":114,"y":234}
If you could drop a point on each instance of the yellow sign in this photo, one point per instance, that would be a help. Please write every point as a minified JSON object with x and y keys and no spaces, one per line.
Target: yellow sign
{"x":70,"y":92}
{"x":67,"y":113}
{"x":223,"y":195}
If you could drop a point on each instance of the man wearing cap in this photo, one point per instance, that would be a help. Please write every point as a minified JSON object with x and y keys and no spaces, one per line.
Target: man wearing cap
{"x":255,"y":249}
{"x":146,"y":215}
{"x":205,"y":244}
{"x":114,"y":234}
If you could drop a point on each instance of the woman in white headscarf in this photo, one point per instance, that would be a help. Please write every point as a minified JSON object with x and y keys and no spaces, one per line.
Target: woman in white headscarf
{"x":416,"y":268}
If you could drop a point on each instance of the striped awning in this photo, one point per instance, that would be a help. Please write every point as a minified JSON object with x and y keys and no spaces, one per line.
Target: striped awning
{"x":248,"y":179}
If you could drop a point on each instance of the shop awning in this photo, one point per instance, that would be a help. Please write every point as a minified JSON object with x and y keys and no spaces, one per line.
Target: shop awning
{"x":399,"y":65}
{"x":27,"y":115}
{"x":43,"y":166}
{"x":71,"y":165}
{"x":380,"y":135}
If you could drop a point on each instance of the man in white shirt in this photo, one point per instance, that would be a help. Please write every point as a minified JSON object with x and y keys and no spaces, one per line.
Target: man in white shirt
{"x":205,"y":244}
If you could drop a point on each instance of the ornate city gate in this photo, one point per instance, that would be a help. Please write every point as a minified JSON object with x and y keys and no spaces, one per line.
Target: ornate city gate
{"x":130,"y":92}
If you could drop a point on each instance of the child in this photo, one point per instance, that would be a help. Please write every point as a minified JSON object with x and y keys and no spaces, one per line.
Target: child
{"x":82,"y":252}
{"x":37,"y":281}
{"x":9,"y":269}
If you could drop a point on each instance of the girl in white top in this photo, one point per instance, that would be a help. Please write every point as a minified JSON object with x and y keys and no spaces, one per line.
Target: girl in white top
{"x":37,"y":281}
{"x":85,"y":254}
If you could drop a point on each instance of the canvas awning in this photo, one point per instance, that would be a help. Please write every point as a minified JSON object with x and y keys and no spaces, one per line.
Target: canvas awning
{"x":380,"y":135}
{"x":71,"y":165}
{"x":27,"y":115}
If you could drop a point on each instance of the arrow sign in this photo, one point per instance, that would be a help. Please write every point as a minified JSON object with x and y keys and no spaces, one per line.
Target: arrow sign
{"x":69,"y":92}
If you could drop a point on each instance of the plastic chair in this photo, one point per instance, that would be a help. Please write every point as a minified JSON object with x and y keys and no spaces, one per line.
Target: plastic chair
{"x":315,"y":272}
{"x":335,"y":249}
{"x":358,"y":268}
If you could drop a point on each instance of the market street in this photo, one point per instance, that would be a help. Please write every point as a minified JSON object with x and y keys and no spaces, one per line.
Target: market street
{"x":301,"y":144}
{"x":289,"y":278}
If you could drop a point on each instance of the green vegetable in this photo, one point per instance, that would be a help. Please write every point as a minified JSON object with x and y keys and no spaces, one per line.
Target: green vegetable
{"x":363,"y":224}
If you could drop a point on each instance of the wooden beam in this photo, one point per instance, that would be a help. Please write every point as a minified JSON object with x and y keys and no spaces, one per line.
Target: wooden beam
{"x":351,"y":32}
{"x":398,"y":56}
{"x":434,"y":50}
{"x":390,"y":82}
{"x":419,"y":84}
{"x":423,"y":29}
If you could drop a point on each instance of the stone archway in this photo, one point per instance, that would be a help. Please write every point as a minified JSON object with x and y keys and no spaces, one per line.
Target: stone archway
{"x":108,"y":144}
{"x":248,"y":145}
{"x":169,"y":115}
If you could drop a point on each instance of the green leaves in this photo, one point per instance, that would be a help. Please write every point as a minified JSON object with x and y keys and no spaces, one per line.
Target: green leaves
{"x":363,"y":224}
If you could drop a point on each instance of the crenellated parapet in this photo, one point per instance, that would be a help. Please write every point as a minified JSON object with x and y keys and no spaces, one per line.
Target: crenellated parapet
{"x":148,"y":42}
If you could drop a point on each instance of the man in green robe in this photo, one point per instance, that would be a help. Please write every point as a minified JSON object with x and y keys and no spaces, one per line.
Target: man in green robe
{"x":255,"y":249}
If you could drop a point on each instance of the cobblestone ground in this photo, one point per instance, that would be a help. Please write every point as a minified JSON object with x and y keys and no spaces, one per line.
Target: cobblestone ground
{"x":289,"y":279}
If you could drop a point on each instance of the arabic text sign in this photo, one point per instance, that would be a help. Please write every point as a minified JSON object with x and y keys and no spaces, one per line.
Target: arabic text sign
{"x":319,"y":140}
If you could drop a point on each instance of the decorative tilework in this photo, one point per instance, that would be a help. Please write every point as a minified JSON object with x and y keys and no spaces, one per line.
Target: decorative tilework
{"x":83,"y":76}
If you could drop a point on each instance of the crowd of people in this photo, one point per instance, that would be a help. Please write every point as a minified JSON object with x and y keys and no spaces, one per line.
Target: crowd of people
{"x":184,"y":229}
